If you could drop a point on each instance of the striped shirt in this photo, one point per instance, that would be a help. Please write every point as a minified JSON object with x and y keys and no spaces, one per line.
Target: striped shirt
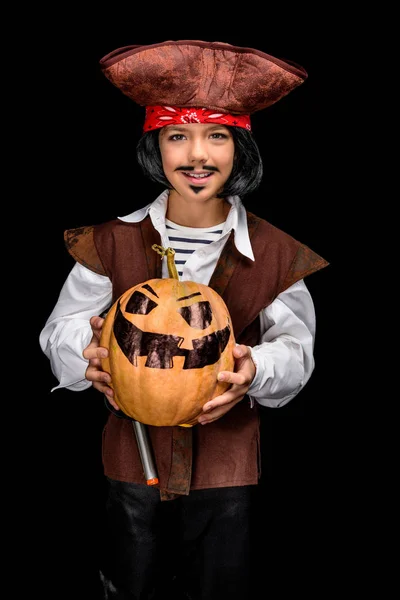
{"x":186,"y":240}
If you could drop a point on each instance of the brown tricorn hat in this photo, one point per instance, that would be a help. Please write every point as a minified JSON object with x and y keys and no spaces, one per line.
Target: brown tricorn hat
{"x":192,"y":73}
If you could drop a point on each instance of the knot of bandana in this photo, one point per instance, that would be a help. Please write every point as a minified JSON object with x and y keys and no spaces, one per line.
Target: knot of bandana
{"x":160,"y":116}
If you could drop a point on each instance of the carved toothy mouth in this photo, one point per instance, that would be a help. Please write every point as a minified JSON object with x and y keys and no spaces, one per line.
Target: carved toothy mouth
{"x":161,"y":348}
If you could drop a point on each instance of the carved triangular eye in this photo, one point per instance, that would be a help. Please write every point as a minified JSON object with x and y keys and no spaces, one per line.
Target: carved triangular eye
{"x":198,"y":315}
{"x":139,"y":304}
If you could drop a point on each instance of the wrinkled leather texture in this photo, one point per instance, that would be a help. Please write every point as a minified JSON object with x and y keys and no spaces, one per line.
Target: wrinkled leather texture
{"x":192,"y":73}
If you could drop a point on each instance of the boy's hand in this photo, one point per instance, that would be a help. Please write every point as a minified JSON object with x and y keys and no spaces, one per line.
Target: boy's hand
{"x":94,"y":353}
{"x":240,"y":379}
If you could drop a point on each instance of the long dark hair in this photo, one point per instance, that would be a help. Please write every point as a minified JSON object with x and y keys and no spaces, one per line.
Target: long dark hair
{"x":247,"y":168}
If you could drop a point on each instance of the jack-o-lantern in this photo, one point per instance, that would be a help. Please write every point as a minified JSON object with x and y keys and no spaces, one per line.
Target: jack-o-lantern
{"x":167,"y":341}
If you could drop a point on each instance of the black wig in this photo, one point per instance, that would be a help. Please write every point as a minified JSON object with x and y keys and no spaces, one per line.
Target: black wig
{"x":247,"y":168}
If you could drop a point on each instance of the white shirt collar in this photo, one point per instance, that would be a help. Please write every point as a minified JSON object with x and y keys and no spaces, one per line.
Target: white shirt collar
{"x":235,"y":220}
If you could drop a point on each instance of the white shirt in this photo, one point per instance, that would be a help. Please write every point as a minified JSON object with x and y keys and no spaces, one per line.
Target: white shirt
{"x":284,"y":357}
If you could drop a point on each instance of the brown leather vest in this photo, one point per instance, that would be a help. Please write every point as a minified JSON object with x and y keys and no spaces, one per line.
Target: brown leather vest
{"x":226,"y":452}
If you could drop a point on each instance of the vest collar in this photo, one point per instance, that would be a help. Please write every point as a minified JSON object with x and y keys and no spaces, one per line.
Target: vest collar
{"x":236,"y":220}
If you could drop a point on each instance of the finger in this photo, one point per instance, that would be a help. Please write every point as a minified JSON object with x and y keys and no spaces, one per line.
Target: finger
{"x":216,"y":412}
{"x":102,"y":387}
{"x":241,"y":351}
{"x":97,"y":376}
{"x":96,"y":322}
{"x":109,"y":392}
{"x":95,"y":364}
{"x":234,"y":394}
{"x":113,"y":404}
{"x":238,"y":378}
{"x":93,"y":352}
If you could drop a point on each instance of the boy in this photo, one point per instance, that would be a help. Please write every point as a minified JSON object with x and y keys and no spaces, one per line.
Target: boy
{"x":198,"y":144}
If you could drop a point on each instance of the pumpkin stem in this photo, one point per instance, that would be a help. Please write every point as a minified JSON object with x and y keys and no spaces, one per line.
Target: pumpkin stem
{"x":170,"y":252}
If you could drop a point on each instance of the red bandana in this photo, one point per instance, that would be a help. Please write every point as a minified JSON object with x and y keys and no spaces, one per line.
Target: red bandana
{"x":159,"y":116}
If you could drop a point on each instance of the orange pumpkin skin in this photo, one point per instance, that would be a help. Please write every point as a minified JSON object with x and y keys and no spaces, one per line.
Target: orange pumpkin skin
{"x":167,"y":342}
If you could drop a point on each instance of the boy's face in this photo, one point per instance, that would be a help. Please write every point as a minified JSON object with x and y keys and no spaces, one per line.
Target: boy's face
{"x":197,"y":158}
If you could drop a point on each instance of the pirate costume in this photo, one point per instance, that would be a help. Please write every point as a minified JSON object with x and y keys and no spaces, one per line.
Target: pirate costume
{"x":205,"y":474}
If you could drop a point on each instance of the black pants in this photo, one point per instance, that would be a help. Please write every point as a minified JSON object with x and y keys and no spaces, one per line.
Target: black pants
{"x":195,"y":546}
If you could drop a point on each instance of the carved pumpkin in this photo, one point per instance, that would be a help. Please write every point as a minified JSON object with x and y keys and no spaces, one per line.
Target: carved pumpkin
{"x":167,"y":341}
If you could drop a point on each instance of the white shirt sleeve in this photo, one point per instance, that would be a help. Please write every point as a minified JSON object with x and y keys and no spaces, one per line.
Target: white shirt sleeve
{"x":67,"y":331}
{"x":284,"y":359}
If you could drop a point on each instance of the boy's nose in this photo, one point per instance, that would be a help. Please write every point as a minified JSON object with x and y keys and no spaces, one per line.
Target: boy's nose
{"x":198,"y":152}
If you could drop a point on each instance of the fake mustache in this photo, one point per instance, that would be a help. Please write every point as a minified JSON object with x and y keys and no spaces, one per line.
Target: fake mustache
{"x":191,"y":168}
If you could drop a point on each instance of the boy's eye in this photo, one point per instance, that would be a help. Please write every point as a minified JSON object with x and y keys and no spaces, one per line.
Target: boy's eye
{"x":176,"y":137}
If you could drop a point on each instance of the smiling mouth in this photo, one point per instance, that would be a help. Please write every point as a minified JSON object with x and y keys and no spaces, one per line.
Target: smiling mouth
{"x":197,"y":178}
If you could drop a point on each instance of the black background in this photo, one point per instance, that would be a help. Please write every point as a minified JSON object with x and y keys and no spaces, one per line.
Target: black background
{"x":86,"y":173}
